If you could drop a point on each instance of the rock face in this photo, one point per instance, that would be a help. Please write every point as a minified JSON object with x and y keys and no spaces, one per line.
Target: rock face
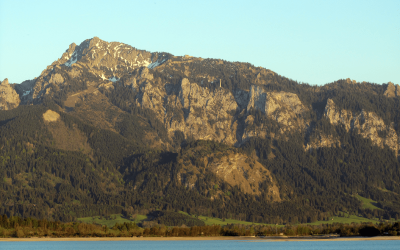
{"x":9,"y":98}
{"x":215,"y":115}
{"x":234,"y":169}
{"x":238,"y":169}
{"x":189,"y":108}
{"x":206,"y":114}
{"x":392,"y":90}
{"x":56,"y":79}
{"x":322,"y":141}
{"x":367,"y":124}
{"x":271,"y":103}
{"x":283,"y":107}
{"x":337,"y":116}
{"x":51,"y":116}
{"x":24,"y":90}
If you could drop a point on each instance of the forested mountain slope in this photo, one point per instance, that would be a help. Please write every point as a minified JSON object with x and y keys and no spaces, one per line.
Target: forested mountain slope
{"x":109,"y":128}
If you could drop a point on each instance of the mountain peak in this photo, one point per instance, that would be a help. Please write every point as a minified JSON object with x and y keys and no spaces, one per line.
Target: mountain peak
{"x":97,"y":59}
{"x":9,"y":98}
{"x":5,"y":82}
{"x":112,"y":58}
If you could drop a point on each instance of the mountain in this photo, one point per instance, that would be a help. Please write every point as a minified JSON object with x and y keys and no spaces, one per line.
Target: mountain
{"x":108,"y":128}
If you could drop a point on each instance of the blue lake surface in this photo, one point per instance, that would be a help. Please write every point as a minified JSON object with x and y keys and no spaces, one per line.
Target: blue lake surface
{"x":209,"y":245}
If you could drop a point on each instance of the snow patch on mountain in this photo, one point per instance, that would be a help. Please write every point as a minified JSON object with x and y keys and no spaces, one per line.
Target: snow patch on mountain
{"x":155,"y":64}
{"x":145,"y":63}
{"x":71,"y":61}
{"x":113,"y":79}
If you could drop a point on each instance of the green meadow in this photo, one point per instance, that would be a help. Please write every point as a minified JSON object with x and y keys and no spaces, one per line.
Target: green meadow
{"x":118,"y":218}
{"x":346,"y":219}
{"x":112,"y":220}
{"x":367,"y":203}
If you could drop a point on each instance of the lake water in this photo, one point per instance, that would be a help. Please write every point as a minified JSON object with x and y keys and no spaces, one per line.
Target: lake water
{"x":208,"y":245}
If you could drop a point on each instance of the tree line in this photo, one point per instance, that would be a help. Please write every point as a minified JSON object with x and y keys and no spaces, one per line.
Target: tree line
{"x":30,"y":227}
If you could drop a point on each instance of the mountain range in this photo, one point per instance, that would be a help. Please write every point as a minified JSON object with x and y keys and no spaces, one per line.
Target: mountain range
{"x":108,"y":128}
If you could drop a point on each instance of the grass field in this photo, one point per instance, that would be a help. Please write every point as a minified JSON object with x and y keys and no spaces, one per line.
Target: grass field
{"x":118,"y":218}
{"x":217,"y":221}
{"x":367,"y":203}
{"x":336,"y":219}
{"x":115,"y":218}
{"x":352,"y":218}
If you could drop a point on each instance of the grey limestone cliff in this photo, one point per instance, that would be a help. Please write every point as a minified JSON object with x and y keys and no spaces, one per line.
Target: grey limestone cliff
{"x":392,"y":90}
{"x":9,"y":98}
{"x":367,"y":124}
{"x":283,"y":107}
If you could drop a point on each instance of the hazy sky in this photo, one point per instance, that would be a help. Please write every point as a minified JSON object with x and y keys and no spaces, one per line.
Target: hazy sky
{"x":309,"y":41}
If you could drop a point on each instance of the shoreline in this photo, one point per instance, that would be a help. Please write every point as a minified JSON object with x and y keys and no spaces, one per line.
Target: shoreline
{"x":244,"y":238}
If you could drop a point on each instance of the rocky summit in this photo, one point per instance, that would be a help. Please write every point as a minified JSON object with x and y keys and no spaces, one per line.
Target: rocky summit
{"x":109,"y":128}
{"x":9,"y":98}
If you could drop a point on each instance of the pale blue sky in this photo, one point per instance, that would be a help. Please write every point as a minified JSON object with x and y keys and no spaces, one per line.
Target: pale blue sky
{"x":309,"y":41}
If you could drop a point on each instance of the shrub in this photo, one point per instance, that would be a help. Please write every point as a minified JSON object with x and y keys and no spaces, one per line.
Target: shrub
{"x":369,"y":231}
